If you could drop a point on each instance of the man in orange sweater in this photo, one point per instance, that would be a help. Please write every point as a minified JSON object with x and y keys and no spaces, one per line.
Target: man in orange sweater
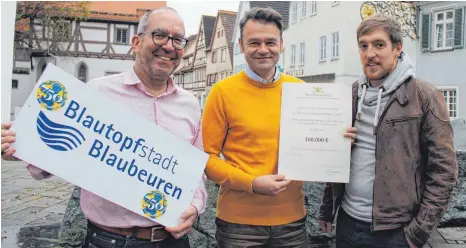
{"x":255,"y":206}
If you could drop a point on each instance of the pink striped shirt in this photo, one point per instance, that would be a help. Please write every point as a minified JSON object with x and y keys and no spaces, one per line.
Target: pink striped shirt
{"x":176,"y":110}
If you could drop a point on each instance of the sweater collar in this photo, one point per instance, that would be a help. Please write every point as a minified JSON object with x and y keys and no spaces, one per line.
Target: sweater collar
{"x":254,"y":76}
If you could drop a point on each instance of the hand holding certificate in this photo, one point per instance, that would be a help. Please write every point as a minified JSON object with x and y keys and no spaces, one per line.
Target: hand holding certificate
{"x":314,"y":118}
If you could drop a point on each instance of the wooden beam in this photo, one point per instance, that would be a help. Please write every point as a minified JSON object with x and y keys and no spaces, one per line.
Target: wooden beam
{"x":96,"y":28}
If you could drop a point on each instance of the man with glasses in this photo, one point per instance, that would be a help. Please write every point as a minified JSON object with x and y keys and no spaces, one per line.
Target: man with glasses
{"x":149,"y":90}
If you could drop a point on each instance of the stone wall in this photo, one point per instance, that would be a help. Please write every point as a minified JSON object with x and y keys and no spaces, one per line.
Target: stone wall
{"x":72,"y":230}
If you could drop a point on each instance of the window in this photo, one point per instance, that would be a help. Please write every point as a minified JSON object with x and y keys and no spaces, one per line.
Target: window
{"x":334,"y":3}
{"x":21,"y":54}
{"x":335,"y":45}
{"x":294,"y":11}
{"x":223,"y":55}
{"x":323,"y":48}
{"x":444,"y":29}
{"x":14,"y":84}
{"x":313,"y":7}
{"x":451,"y":98}
{"x":212,"y":78}
{"x":214,"y":57}
{"x":303,"y":9}
{"x":121,"y":35}
{"x":82,"y":72}
{"x":302,"y":52}
{"x":293,"y":54}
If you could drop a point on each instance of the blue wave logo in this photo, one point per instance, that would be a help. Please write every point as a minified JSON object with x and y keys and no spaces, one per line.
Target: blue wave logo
{"x":57,"y":136}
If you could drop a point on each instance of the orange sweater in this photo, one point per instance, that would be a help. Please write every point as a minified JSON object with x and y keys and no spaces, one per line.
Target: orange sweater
{"x":241,"y":120}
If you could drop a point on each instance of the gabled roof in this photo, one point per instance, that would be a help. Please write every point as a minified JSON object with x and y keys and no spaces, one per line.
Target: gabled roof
{"x":191,"y":44}
{"x":209,"y":22}
{"x":282,"y":7}
{"x":228,"y":21}
{"x":189,"y":51}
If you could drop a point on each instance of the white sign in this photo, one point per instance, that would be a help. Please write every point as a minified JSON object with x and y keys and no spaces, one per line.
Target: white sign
{"x":314,"y":118}
{"x":90,"y":140}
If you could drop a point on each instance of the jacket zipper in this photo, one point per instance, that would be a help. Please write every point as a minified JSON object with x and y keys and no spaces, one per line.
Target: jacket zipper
{"x":375,"y":166}
{"x":415,"y":184}
{"x":407,"y":118}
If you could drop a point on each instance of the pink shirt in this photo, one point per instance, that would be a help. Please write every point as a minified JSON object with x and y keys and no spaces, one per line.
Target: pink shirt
{"x":176,"y":110}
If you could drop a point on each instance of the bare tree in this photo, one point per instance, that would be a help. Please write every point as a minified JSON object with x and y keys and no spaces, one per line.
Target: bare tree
{"x":45,"y":27}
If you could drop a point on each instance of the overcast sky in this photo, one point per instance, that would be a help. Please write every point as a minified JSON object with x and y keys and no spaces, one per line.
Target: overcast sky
{"x":191,"y":11}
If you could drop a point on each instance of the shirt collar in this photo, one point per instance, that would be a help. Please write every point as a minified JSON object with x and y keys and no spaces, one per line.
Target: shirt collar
{"x":132,"y":79}
{"x":254,"y":76}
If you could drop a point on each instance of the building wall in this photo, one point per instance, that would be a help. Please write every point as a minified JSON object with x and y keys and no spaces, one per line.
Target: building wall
{"x":343,"y":18}
{"x":239,"y":62}
{"x":218,"y":44}
{"x":444,"y":68}
{"x":199,"y":75}
{"x":310,"y":28}
{"x":96,"y":67}
{"x":96,"y":37}
{"x":94,"y":40}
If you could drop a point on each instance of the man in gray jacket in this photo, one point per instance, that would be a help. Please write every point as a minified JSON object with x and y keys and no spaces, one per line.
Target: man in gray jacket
{"x":403,"y":164}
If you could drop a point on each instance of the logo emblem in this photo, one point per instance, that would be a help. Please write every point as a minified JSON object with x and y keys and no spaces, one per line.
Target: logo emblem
{"x":154,"y":204}
{"x":367,"y":9}
{"x":318,"y":90}
{"x":51,"y":95}
{"x":57,"y":136}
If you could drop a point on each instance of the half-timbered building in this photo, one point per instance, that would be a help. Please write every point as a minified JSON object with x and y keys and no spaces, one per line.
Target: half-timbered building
{"x":97,"y":46}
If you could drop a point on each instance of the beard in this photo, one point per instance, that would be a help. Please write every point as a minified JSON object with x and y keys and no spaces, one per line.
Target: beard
{"x":157,"y":68}
{"x":378,"y":75}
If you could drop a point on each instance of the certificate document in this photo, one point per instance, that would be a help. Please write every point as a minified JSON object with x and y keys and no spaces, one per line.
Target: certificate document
{"x":314,"y":118}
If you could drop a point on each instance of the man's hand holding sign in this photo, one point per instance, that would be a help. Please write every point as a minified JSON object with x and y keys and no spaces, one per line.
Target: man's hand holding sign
{"x":140,"y":168}
{"x":63,"y":121}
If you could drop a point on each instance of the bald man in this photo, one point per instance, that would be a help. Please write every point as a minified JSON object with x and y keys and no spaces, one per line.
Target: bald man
{"x":149,"y":90}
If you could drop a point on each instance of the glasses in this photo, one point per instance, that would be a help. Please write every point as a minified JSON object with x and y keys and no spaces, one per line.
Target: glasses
{"x":162,"y":39}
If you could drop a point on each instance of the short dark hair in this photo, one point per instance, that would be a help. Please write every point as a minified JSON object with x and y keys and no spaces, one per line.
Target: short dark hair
{"x":263,"y":15}
{"x":391,"y":26}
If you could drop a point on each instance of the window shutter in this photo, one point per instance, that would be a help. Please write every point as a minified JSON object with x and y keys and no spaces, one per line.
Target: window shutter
{"x":458,"y":41}
{"x":425,"y":36}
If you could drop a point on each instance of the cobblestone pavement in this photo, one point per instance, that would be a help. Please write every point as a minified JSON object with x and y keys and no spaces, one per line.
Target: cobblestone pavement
{"x":27,"y":203}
